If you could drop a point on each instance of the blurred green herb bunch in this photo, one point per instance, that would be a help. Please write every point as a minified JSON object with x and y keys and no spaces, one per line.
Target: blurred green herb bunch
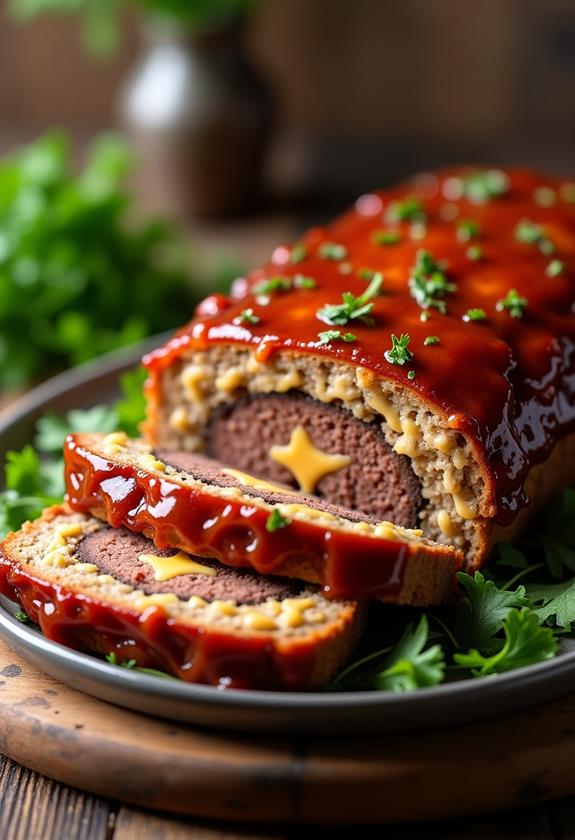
{"x":78,"y":276}
{"x":100,"y":18}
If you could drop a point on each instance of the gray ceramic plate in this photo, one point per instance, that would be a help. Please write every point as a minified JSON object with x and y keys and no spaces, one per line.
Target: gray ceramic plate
{"x":278,"y":712}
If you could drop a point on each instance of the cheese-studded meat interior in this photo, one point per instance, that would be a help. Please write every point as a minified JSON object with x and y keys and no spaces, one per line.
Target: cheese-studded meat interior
{"x":133,"y":559}
{"x":319,"y":449}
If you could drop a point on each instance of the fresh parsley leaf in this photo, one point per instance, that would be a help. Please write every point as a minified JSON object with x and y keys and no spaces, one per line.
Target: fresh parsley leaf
{"x":409,"y":209}
{"x":555,"y":268}
{"x":332,"y":251}
{"x":480,"y":615}
{"x":353,"y":308}
{"x":428,"y":283}
{"x":467,"y":229}
{"x":273,"y":284}
{"x":526,"y":642}
{"x":298,"y":253}
{"x":130,"y":409}
{"x":430,"y":340}
{"x":247,"y":316}
{"x":475,"y":314}
{"x":399,"y":353}
{"x":483,"y":185}
{"x":276,"y":520}
{"x":300,"y":281}
{"x":411,"y":665}
{"x":530,"y":233}
{"x":52,"y":430}
{"x":513,"y":303}
{"x":386,"y":237}
{"x":474,"y":253}
{"x":557,"y":602}
{"x":328,"y":336}
{"x":509,"y":555}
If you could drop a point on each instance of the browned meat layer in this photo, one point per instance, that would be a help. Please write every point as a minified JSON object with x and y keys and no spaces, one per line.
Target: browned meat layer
{"x":378,"y":482}
{"x":116,"y":552}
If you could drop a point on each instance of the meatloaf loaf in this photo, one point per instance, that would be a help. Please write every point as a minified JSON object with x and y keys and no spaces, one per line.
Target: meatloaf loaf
{"x":187,"y":501}
{"x":413,"y":361}
{"x":111,"y":591}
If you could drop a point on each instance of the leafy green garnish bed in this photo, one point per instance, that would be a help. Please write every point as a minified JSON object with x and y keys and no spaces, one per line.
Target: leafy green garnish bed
{"x":513,"y":613}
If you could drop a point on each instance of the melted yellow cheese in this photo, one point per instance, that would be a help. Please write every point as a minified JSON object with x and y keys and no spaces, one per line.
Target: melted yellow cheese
{"x":166,"y":568}
{"x":382,"y":405}
{"x":305,"y":461}
{"x":251,"y":481}
{"x":463,"y":509}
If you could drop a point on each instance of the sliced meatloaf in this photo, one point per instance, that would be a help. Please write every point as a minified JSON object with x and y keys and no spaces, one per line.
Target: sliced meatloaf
{"x":187,"y":501}
{"x":111,"y":591}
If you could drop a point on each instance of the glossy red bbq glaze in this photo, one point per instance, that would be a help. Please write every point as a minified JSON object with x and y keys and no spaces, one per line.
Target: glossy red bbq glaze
{"x":506,"y":383}
{"x":348,"y":565}
{"x":156,"y":641}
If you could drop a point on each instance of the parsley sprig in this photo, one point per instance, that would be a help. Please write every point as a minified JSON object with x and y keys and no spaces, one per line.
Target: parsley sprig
{"x":513,"y":303}
{"x":353,"y":308}
{"x":529,"y":233}
{"x":327,"y":336}
{"x":428,"y":283}
{"x":399,"y":353}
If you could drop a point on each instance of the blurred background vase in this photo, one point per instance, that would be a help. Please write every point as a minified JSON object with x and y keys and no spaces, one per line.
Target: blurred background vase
{"x":199,"y":116}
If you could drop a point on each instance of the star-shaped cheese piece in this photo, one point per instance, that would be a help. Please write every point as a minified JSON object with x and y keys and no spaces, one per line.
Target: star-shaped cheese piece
{"x":305,"y":461}
{"x":166,"y":568}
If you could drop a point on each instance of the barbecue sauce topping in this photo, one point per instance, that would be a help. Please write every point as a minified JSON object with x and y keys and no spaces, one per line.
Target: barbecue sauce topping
{"x":481,"y":261}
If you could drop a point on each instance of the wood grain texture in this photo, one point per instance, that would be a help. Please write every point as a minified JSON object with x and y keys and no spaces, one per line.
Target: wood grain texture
{"x":516,"y":761}
{"x":33,"y":807}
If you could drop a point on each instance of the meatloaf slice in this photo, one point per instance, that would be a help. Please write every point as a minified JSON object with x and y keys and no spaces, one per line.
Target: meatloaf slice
{"x":99,"y":590}
{"x":186,"y":501}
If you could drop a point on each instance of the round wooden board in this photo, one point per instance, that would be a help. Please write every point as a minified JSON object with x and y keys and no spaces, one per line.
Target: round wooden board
{"x":511,"y":761}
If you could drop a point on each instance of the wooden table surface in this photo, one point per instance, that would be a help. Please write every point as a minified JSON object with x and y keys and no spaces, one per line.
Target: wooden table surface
{"x":35,"y":808}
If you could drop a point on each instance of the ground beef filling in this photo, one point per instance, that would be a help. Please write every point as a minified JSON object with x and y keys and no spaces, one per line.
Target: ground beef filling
{"x":116,"y":552}
{"x":378,"y":482}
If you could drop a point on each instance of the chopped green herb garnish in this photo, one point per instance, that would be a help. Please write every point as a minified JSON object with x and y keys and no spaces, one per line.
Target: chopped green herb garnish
{"x":474,"y":253}
{"x":386,"y":237}
{"x":475,"y":314}
{"x":411,"y":374}
{"x":335,"y":335}
{"x":302,"y":282}
{"x":424,"y":316}
{"x":482,"y":186}
{"x":298,"y":253}
{"x":22,"y":617}
{"x":431,"y":340}
{"x":366,"y":274}
{"x":428,"y":282}
{"x":408,"y":210}
{"x":544,"y":196}
{"x":555,"y":268}
{"x":332,"y":251}
{"x":399,"y":353}
{"x":567,"y":192}
{"x":513,"y":303}
{"x":247,"y":316}
{"x":353,"y":308}
{"x":274,"y":284}
{"x":467,"y":229}
{"x":530,"y":233}
{"x":275,"y":521}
